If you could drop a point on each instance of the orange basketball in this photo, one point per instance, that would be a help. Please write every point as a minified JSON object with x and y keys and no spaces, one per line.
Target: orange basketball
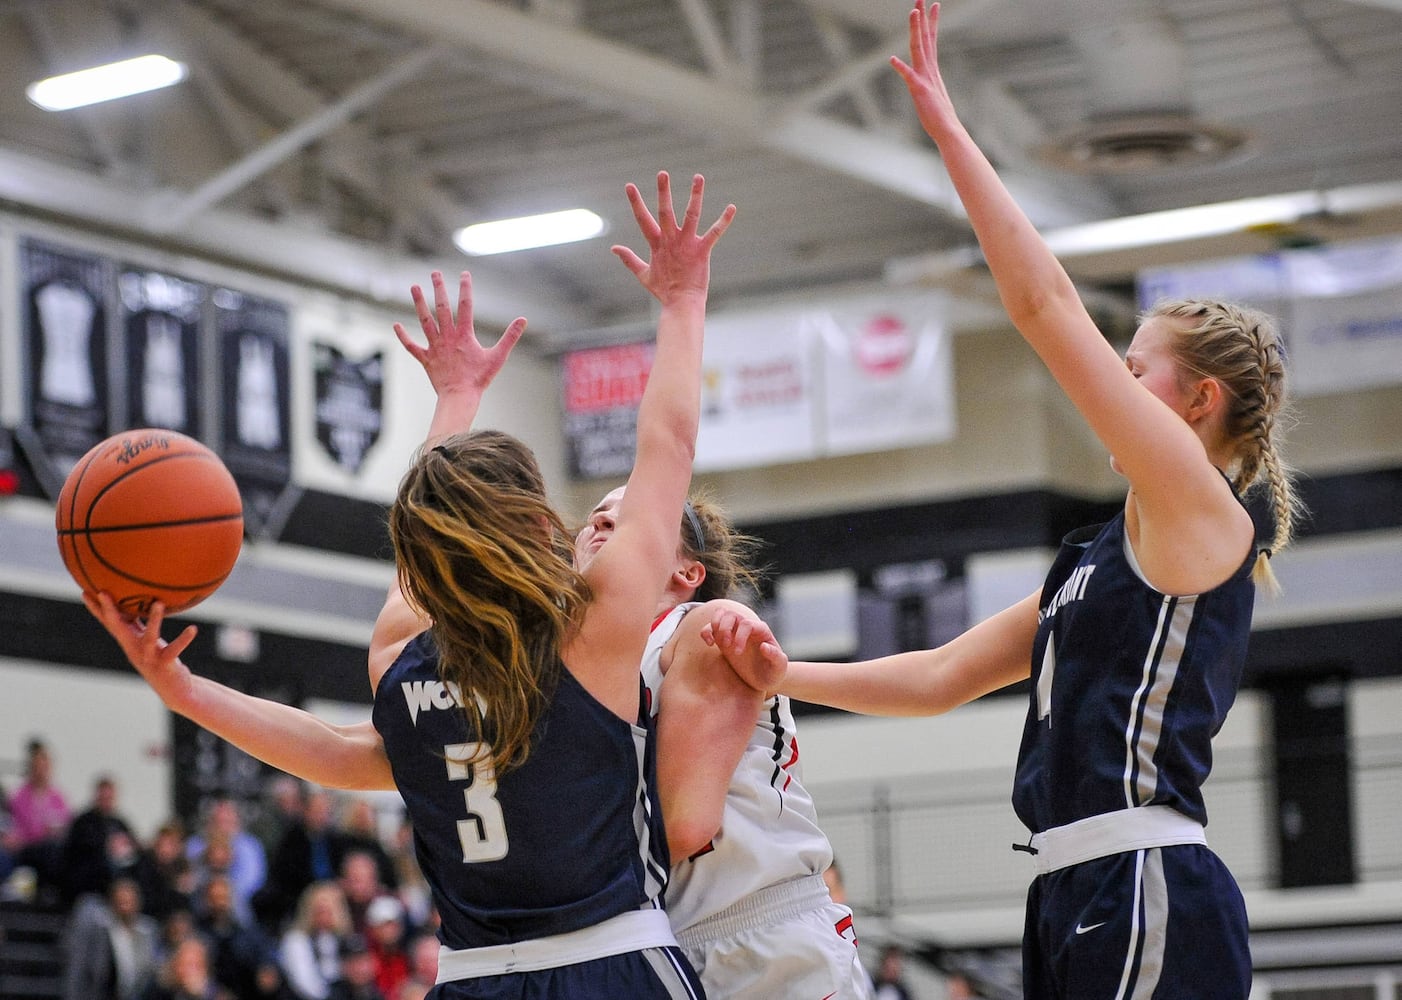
{"x":150,"y":515}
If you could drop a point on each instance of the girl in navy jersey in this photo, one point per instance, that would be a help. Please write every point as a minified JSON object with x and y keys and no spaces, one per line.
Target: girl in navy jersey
{"x":514,"y":727}
{"x":1136,"y":641}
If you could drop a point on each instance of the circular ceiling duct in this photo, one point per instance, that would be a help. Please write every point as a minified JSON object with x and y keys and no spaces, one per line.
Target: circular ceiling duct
{"x":1141,"y":142}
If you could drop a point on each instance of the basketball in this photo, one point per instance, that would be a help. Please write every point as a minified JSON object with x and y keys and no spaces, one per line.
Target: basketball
{"x":150,"y":515}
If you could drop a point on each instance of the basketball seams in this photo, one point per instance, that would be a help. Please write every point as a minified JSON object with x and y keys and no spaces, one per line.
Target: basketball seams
{"x":127,"y":475}
{"x":76,"y":564}
{"x":145,"y":525}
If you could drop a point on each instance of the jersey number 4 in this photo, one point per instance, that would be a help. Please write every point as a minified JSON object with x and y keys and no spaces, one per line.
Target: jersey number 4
{"x":483,"y":833}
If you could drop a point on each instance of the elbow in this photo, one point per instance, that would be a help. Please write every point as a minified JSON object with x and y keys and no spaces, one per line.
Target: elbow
{"x":688,"y":837}
{"x":690,"y":822}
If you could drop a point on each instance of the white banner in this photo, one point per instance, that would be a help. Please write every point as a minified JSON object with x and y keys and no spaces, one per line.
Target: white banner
{"x":360,"y":403}
{"x":888,"y":375}
{"x":1339,"y":307}
{"x":757,"y":388}
{"x":1257,"y":281}
{"x":786,"y":384}
{"x":1346,"y":317}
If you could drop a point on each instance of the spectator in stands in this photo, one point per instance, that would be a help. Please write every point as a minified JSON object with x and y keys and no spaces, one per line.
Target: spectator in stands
{"x":309,"y":852}
{"x":166,"y":876}
{"x":248,"y":865}
{"x":357,"y":980}
{"x":310,"y":950}
{"x":360,"y":880}
{"x":176,"y":927}
{"x":423,"y":968}
{"x":360,"y":831}
{"x":187,"y":974}
{"x":890,"y":981}
{"x":242,"y":957}
{"x":279,"y":811}
{"x":216,"y":862}
{"x":414,"y":891}
{"x":958,"y":987}
{"x":39,"y":817}
{"x":8,"y":845}
{"x":110,"y":946}
{"x":99,"y":845}
{"x":386,"y":933}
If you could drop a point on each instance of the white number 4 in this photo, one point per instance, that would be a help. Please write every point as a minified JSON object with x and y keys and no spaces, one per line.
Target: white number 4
{"x":483,"y":833}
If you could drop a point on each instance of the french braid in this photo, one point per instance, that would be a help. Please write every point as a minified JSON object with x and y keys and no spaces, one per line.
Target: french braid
{"x":1241,"y":349}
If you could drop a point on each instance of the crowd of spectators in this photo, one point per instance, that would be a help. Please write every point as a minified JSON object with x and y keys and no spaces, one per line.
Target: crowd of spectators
{"x":296,"y":896}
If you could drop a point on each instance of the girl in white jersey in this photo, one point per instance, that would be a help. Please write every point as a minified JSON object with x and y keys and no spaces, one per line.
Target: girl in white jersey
{"x":747,"y":899}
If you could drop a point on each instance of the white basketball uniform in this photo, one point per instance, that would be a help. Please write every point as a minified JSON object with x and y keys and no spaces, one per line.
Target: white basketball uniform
{"x":751,"y":909}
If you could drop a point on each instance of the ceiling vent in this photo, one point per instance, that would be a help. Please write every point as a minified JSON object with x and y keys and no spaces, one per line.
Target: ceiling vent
{"x":1141,"y":142}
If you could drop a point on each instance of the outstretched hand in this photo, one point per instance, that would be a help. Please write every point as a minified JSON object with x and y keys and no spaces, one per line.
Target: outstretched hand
{"x":454,"y":359}
{"x":157,"y":661}
{"x":680,"y":262}
{"x":922,"y":74}
{"x":749,"y":646}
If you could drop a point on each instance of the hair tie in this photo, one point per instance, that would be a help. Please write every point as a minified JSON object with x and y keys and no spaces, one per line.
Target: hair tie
{"x":1265,"y":552}
{"x":695,"y":523}
{"x":441,"y":450}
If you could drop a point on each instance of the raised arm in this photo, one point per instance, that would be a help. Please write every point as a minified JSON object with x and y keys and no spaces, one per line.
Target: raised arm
{"x":1163,"y":459}
{"x":281,"y":736}
{"x":629,"y":573}
{"x":457,"y":365}
{"x":720,"y":666}
{"x":460,"y":369}
{"x":991,"y":655}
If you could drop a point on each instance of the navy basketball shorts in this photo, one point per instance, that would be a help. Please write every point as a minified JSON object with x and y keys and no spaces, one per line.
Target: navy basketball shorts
{"x":1155,"y":924}
{"x":651,"y":974}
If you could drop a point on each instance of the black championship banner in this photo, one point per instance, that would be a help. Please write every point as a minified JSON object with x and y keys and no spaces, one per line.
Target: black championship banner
{"x":64,"y":339}
{"x":255,"y":412}
{"x":160,"y":317}
{"x":349,"y":404}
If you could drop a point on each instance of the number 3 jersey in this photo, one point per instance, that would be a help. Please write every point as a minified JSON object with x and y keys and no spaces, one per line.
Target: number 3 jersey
{"x":570,"y":838}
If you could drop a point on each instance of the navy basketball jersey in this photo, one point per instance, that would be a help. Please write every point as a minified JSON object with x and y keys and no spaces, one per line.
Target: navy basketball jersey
{"x":570,"y":838}
{"x":1128,"y":685}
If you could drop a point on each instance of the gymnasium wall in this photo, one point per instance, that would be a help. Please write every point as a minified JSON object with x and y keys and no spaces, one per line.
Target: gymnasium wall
{"x":978,"y":511}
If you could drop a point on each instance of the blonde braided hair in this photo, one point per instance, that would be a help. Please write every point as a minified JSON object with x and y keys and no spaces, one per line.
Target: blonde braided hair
{"x":1241,"y":349}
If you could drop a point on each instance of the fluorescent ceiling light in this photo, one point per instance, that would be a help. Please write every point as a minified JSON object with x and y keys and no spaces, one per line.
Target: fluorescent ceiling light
{"x":1179,"y":224}
{"x":105,"y":83}
{"x":527,"y":232}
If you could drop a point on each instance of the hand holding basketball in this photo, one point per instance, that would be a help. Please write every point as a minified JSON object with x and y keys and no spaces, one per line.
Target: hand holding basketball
{"x":150,"y":515}
{"x":157,"y":661}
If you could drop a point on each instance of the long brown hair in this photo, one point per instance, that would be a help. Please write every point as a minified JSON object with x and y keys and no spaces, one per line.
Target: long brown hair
{"x":481,"y":552}
{"x":1241,"y":349}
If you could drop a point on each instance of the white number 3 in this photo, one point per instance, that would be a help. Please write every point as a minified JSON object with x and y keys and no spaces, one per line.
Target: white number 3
{"x":483,"y":833}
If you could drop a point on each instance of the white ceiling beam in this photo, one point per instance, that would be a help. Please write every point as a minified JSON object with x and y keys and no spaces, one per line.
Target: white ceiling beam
{"x":238,"y":127}
{"x":854,"y":78}
{"x":356,"y":151}
{"x":648,"y":86}
{"x":885,"y":15}
{"x":305,"y":132}
{"x":708,"y":36}
{"x":500,"y":291}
